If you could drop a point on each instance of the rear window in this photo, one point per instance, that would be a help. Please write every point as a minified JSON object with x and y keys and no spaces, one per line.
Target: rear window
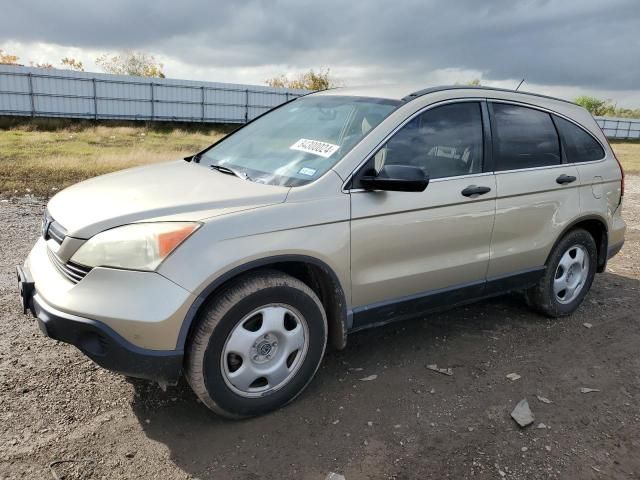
{"x":524,"y":138}
{"x":579,"y":145}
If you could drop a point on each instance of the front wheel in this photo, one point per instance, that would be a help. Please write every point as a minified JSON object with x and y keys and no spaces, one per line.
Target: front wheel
{"x":568,"y":277}
{"x":257,"y":345}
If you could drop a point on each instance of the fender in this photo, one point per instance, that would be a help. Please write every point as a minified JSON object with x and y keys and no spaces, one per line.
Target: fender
{"x":602,"y":252}
{"x":193,"y":311}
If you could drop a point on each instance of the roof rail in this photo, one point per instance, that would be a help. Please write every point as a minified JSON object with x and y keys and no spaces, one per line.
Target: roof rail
{"x":425,"y":91}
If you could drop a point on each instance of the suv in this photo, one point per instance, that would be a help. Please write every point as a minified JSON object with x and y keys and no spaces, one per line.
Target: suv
{"x":332,"y":213}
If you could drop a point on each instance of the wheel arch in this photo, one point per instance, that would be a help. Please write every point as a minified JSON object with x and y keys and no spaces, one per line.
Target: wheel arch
{"x":313,"y":272}
{"x":597,"y":227}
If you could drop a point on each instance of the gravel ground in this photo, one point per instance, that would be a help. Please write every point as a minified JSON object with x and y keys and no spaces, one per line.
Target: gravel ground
{"x":409,"y":422}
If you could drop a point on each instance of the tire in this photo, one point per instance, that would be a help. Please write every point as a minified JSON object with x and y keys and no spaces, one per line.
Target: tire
{"x":565,"y":269}
{"x":254,"y":327}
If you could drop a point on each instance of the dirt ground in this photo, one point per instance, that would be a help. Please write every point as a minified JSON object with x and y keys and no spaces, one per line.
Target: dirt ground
{"x":409,"y":422}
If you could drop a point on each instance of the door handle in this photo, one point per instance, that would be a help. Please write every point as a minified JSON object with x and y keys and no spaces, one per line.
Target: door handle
{"x":474,"y":190}
{"x":565,"y":179}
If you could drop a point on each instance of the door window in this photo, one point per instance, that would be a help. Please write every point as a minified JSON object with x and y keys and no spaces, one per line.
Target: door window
{"x":524,"y":138}
{"x":445,"y":141}
{"x":579,"y":145}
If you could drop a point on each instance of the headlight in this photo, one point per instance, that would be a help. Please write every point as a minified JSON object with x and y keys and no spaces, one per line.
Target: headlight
{"x":138,"y":246}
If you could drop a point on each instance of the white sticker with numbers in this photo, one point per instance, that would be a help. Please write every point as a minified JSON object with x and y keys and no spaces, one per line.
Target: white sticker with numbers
{"x":316,"y":147}
{"x":309,"y":172}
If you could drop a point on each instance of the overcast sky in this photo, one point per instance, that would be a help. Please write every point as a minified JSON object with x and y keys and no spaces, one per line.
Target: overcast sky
{"x":561,"y":47}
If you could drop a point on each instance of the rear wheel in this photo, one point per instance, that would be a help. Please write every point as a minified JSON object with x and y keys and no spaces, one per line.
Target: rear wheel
{"x":568,"y":276}
{"x":257,"y":345}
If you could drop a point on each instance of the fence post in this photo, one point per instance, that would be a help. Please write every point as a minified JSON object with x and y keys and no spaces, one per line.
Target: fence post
{"x":202,"y":102}
{"x":152,"y":105}
{"x":246,"y":106}
{"x":95,"y":99}
{"x":33,"y":104}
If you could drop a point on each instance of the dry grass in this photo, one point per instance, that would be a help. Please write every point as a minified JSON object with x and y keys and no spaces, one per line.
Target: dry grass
{"x":629,"y":155}
{"x":43,"y":162}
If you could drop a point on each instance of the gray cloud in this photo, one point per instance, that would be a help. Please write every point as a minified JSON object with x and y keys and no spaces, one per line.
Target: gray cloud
{"x":582,"y":43}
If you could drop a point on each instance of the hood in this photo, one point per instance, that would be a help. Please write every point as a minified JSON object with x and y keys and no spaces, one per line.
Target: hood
{"x":175,"y":190}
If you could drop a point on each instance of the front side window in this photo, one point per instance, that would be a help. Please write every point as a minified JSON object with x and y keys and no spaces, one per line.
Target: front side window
{"x":579,"y":145}
{"x":298,"y":142}
{"x":524,"y":138}
{"x":445,"y":141}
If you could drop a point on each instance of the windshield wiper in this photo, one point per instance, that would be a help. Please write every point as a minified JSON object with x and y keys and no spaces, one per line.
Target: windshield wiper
{"x":230,"y":171}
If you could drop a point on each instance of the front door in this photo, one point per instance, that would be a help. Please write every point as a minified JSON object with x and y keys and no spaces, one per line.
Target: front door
{"x":408,"y":246}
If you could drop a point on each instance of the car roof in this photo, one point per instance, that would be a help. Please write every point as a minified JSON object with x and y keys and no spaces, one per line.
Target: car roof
{"x":407,"y":92}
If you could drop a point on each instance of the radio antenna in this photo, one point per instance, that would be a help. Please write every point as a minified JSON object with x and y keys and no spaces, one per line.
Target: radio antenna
{"x":521,"y":82}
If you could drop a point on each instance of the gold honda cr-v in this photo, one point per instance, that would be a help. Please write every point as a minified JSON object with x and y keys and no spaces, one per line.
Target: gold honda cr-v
{"x":332,"y":213}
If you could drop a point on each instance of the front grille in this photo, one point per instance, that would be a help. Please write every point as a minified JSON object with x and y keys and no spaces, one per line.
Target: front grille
{"x":72,"y":271}
{"x":52,"y":229}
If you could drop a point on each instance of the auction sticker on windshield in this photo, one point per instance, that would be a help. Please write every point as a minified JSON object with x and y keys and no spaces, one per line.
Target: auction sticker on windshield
{"x":315,"y":147}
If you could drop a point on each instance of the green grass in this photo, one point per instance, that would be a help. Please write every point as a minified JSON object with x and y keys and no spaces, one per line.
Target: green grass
{"x":42,"y":162}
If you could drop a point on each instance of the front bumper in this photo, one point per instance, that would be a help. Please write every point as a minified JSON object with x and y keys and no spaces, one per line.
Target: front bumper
{"x":145,"y":308}
{"x":97,"y":340}
{"x":613,"y":250}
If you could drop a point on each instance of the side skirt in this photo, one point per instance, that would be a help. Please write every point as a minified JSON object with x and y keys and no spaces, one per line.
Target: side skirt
{"x":413,"y":306}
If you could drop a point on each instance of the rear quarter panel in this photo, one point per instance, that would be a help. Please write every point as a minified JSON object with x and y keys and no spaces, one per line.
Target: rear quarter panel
{"x":600,"y":188}
{"x":600,"y":180}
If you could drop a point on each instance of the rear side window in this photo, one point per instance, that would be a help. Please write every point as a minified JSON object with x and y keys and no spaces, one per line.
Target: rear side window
{"x":579,"y":145}
{"x":524,"y":138}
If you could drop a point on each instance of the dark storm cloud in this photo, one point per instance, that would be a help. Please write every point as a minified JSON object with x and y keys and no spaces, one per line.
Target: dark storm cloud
{"x":586,"y":43}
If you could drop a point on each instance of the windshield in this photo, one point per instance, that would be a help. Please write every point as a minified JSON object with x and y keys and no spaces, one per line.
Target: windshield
{"x":298,"y":142}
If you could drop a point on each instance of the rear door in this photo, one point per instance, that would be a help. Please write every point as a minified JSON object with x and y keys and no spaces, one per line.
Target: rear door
{"x":407,"y":244}
{"x":537,"y":191}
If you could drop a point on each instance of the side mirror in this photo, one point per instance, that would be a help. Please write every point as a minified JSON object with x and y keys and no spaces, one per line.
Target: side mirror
{"x":397,"y":178}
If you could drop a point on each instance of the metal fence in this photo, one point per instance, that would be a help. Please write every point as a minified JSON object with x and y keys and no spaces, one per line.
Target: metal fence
{"x":623,"y":128}
{"x":38,"y":92}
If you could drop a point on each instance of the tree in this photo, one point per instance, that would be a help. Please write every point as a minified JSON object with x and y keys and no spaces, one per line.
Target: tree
{"x":311,"y":80}
{"x":131,"y":63}
{"x":627,"y":112}
{"x":596,"y":106}
{"x":46,"y":65}
{"x":606,"y":108}
{"x":8,"y":59}
{"x":72,"y":64}
{"x":472,"y":83}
